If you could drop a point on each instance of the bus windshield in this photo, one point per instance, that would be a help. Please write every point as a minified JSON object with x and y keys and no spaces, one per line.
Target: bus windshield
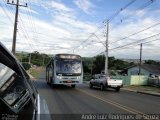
{"x":68,"y":66}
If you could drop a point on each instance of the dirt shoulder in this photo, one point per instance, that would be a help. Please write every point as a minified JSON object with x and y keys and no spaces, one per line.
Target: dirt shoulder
{"x":35,"y":72}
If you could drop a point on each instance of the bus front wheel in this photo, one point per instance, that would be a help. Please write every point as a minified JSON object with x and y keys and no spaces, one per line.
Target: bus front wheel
{"x":73,"y":86}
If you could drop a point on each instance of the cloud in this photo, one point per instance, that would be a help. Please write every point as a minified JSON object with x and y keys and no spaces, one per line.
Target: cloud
{"x":85,"y":5}
{"x":125,"y":30}
{"x":58,"y":6}
{"x":75,"y":23}
{"x":28,"y":10}
{"x":61,"y":29}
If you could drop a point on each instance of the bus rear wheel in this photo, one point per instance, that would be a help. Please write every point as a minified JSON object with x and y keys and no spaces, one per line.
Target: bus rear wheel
{"x":73,"y":86}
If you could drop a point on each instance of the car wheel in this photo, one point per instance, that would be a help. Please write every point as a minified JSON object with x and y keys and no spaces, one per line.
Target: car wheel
{"x":50,"y":83}
{"x":118,"y":89}
{"x":47,"y":81}
{"x":73,"y":86}
{"x":90,"y":85}
{"x":101,"y":87}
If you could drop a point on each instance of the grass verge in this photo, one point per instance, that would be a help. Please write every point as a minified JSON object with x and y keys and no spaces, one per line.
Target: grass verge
{"x":35,"y":72}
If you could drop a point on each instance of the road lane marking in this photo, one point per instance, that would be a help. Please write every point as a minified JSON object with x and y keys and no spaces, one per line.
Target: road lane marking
{"x":128,"y":109}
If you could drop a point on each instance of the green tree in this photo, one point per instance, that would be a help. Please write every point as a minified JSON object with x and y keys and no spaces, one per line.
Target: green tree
{"x":113,"y":64}
{"x":36,"y":58}
{"x":87,"y":64}
{"x":152,"y":62}
{"x":26,"y":66}
{"x":98,"y":64}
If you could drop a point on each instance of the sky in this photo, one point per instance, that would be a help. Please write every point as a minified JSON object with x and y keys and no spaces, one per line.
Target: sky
{"x":79,"y":27}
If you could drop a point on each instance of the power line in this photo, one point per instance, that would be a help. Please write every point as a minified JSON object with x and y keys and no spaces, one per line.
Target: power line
{"x":135,"y":41}
{"x":24,"y":32}
{"x":20,"y":27}
{"x":31,"y":20}
{"x":10,"y":19}
{"x":121,"y":9}
{"x":15,"y":24}
{"x":99,"y":40}
{"x":107,"y":33}
{"x":92,"y":34}
{"x":133,"y":45}
{"x":137,"y":32}
{"x":11,"y":12}
{"x":139,"y":9}
{"x":110,"y":18}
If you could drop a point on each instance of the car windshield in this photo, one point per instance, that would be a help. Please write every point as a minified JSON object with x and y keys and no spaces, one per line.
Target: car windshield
{"x":68,"y":66}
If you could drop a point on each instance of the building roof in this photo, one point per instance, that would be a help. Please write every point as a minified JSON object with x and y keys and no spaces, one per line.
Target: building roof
{"x":152,"y":68}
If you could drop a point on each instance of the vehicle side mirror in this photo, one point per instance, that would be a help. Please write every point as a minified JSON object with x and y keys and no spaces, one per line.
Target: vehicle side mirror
{"x":14,"y":93}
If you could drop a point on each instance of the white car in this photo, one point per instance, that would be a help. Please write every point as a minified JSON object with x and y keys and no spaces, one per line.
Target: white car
{"x":105,"y":81}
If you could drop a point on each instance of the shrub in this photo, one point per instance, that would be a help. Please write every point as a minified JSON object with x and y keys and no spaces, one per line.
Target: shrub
{"x":26,"y":66}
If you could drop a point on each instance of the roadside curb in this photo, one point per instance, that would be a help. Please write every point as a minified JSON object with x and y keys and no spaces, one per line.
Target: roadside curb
{"x":136,"y":91}
{"x":149,"y":93}
{"x":142,"y":92}
{"x":32,"y":78}
{"x":129,"y":90}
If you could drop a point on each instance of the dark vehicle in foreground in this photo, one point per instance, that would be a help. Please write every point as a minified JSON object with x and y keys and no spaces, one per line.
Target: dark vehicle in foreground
{"x":105,"y":81}
{"x":19,"y":99}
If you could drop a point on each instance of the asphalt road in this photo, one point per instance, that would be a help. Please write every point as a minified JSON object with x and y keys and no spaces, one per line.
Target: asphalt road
{"x":64,"y":100}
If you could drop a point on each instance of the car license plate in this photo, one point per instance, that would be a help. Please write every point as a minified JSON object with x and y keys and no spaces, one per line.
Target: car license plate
{"x":113,"y":85}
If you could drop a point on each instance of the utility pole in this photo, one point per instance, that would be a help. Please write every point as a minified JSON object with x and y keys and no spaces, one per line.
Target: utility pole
{"x":140,"y":60}
{"x":30,"y":58}
{"x":106,"y":53}
{"x":15,"y":24}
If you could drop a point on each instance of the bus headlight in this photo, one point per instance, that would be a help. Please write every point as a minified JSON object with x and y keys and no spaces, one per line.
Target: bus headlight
{"x":59,"y":77}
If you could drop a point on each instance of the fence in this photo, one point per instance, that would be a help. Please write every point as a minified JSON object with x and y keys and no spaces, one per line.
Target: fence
{"x":133,"y":79}
{"x":154,"y":81}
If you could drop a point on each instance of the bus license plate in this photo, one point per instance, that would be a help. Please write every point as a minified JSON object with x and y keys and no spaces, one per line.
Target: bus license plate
{"x":69,"y":81}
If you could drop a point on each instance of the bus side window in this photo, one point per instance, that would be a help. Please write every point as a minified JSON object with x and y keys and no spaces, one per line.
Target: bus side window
{"x":53,"y":68}
{"x":50,"y":71}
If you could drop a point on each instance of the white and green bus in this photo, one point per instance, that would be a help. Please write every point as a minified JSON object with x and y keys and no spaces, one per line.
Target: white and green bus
{"x":65,"y":69}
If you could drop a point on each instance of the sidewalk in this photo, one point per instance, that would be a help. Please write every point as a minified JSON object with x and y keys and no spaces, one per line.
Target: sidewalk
{"x":140,"y":89}
{"x":143,"y":90}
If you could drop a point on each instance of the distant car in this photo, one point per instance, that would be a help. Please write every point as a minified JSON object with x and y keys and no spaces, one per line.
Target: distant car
{"x":105,"y":81}
{"x":19,"y":99}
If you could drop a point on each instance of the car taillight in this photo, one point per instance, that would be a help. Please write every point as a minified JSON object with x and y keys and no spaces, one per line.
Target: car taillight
{"x":108,"y":78}
{"x":106,"y":81}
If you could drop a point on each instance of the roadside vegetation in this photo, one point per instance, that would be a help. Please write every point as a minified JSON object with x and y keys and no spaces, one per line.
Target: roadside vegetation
{"x":95,"y":65}
{"x":34,"y":62}
{"x":34,"y":59}
{"x":36,"y":72}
